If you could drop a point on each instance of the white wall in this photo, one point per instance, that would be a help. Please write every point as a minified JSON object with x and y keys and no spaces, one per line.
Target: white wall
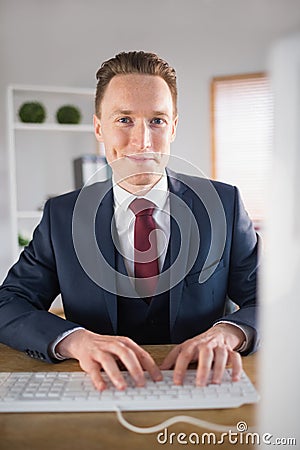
{"x":62,"y":42}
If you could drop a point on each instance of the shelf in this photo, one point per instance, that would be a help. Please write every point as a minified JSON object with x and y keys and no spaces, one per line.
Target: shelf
{"x":52,"y":89}
{"x":34,"y":175}
{"x":53,"y":127}
{"x":29,"y":214}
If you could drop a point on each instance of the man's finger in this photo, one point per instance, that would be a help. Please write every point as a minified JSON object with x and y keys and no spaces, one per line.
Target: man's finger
{"x":144,"y":359}
{"x":183,"y":360}
{"x":112,"y":370}
{"x":148,"y":363}
{"x":93,"y":369}
{"x":171,"y":358}
{"x":236,"y":364}
{"x":205,"y":360}
{"x":220,"y":361}
{"x":129,"y":359}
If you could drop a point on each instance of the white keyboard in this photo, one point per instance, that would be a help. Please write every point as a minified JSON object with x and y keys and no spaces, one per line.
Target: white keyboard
{"x":73,"y":391}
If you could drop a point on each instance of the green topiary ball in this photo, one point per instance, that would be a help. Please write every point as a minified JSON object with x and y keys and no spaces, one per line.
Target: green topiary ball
{"x":68,"y":114}
{"x":23,"y":241}
{"x":32,"y":112}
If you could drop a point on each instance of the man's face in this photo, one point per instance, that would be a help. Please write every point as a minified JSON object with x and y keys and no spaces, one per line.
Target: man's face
{"x":137,"y":126}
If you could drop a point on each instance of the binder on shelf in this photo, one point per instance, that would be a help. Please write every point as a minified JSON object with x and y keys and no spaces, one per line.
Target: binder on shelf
{"x":91,"y":168}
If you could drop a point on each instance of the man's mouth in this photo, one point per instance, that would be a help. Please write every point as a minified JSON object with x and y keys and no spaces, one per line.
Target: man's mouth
{"x":142,"y":158}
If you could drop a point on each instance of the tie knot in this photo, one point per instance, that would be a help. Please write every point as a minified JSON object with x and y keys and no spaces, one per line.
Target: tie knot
{"x":142,"y":207}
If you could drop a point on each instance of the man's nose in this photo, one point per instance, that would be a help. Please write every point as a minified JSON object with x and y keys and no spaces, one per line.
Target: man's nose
{"x":141,"y":136}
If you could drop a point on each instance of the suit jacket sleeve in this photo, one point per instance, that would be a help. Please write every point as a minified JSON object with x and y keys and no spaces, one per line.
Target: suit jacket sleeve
{"x":26,"y":295}
{"x":243,"y":265}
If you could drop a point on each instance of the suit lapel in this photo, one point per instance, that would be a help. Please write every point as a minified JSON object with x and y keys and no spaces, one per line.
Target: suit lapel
{"x":180,"y":207}
{"x":106,"y":247}
{"x":116,"y":276}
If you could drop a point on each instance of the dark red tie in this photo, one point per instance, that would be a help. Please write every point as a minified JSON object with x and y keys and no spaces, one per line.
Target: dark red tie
{"x":145,"y":247}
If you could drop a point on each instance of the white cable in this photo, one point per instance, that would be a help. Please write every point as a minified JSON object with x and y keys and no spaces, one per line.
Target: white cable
{"x":187,"y":419}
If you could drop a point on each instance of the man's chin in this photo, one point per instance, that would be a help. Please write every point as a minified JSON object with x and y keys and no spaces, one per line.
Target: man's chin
{"x":139,"y":184}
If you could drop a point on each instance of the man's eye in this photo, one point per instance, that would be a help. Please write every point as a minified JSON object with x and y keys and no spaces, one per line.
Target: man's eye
{"x":124,"y":120}
{"x":157,"y":121}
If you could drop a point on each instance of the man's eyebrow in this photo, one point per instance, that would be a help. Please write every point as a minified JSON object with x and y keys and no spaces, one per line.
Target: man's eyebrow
{"x":123,"y":112}
{"x":128,"y":112}
{"x":160,"y":113}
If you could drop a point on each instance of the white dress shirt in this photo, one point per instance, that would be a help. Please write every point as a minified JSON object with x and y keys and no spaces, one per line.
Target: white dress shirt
{"x":125,"y":219}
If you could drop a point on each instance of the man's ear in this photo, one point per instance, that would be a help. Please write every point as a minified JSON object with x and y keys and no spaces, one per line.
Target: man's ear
{"x":97,"y":128}
{"x":174,"y":128}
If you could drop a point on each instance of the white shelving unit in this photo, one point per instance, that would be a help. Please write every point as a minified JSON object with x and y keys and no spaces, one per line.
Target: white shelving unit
{"x":41,"y":155}
{"x":52,"y":127}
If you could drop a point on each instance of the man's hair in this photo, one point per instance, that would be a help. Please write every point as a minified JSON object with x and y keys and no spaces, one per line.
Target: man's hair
{"x":131,"y":63}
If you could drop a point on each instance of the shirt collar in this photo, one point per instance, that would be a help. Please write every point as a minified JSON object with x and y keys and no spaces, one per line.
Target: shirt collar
{"x":158,"y":194}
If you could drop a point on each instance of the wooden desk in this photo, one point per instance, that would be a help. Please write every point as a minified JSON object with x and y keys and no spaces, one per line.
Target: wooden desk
{"x":96,"y":431}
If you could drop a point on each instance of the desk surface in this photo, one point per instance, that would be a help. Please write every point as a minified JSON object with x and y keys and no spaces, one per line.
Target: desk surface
{"x":95,"y":431}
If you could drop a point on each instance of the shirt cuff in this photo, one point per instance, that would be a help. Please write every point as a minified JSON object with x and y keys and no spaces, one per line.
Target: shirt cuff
{"x":248,"y":334}
{"x":52,"y":346}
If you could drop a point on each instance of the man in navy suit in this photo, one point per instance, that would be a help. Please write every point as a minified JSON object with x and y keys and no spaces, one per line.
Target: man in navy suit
{"x":85,"y":249}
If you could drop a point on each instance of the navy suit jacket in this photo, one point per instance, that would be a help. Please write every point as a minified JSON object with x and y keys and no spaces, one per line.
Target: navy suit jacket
{"x":213,"y":257}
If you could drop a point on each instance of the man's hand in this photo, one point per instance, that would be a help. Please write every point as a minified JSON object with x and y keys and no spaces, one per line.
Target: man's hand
{"x":95,"y":352}
{"x":213,"y":349}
